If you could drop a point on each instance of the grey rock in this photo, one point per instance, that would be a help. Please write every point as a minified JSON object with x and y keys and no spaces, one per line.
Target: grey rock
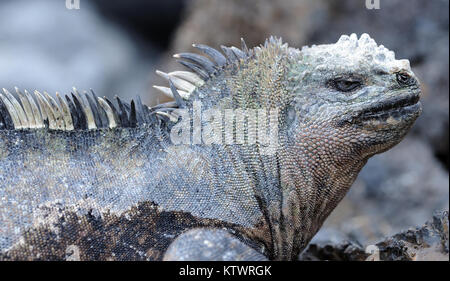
{"x":429,"y":242}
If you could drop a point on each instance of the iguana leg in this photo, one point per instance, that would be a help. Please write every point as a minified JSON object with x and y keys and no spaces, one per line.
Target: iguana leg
{"x":208,"y":244}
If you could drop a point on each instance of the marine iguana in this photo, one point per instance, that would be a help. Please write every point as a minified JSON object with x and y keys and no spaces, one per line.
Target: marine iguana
{"x":84,"y":178}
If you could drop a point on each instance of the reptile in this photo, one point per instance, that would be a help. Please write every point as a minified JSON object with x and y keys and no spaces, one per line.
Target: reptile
{"x":255,"y":150}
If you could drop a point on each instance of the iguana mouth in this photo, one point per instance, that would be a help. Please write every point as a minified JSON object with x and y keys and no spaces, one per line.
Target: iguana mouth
{"x":393,"y":110}
{"x":390,"y":105}
{"x":396,"y":108}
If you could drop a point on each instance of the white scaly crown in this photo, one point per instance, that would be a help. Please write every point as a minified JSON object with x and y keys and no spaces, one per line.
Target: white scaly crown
{"x":350,"y":52}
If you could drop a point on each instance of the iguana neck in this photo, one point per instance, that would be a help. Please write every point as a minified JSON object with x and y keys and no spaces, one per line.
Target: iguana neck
{"x":313,"y":180}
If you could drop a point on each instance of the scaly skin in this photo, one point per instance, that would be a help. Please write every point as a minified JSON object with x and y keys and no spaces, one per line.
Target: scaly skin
{"x":134,"y":193}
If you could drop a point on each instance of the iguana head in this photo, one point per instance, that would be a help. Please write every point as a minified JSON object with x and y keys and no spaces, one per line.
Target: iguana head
{"x":355,"y":93}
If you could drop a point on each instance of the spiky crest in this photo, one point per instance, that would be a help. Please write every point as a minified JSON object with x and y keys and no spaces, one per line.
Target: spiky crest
{"x":86,"y":111}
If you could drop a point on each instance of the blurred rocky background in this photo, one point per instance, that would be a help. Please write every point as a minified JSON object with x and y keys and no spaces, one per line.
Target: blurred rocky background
{"x":115,"y":46}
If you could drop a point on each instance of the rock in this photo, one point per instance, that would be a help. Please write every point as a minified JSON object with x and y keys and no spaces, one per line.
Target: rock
{"x":426,"y":243}
{"x":153,"y":21}
{"x":429,"y":242}
{"x":345,"y":251}
{"x":333,"y":245}
{"x":216,"y":22}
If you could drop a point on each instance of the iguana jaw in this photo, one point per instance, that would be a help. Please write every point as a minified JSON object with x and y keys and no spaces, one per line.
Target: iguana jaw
{"x":391,"y":112}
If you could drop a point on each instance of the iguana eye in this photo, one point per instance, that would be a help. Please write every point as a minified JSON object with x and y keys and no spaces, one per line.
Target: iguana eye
{"x":404,"y":78}
{"x":346,"y":85}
